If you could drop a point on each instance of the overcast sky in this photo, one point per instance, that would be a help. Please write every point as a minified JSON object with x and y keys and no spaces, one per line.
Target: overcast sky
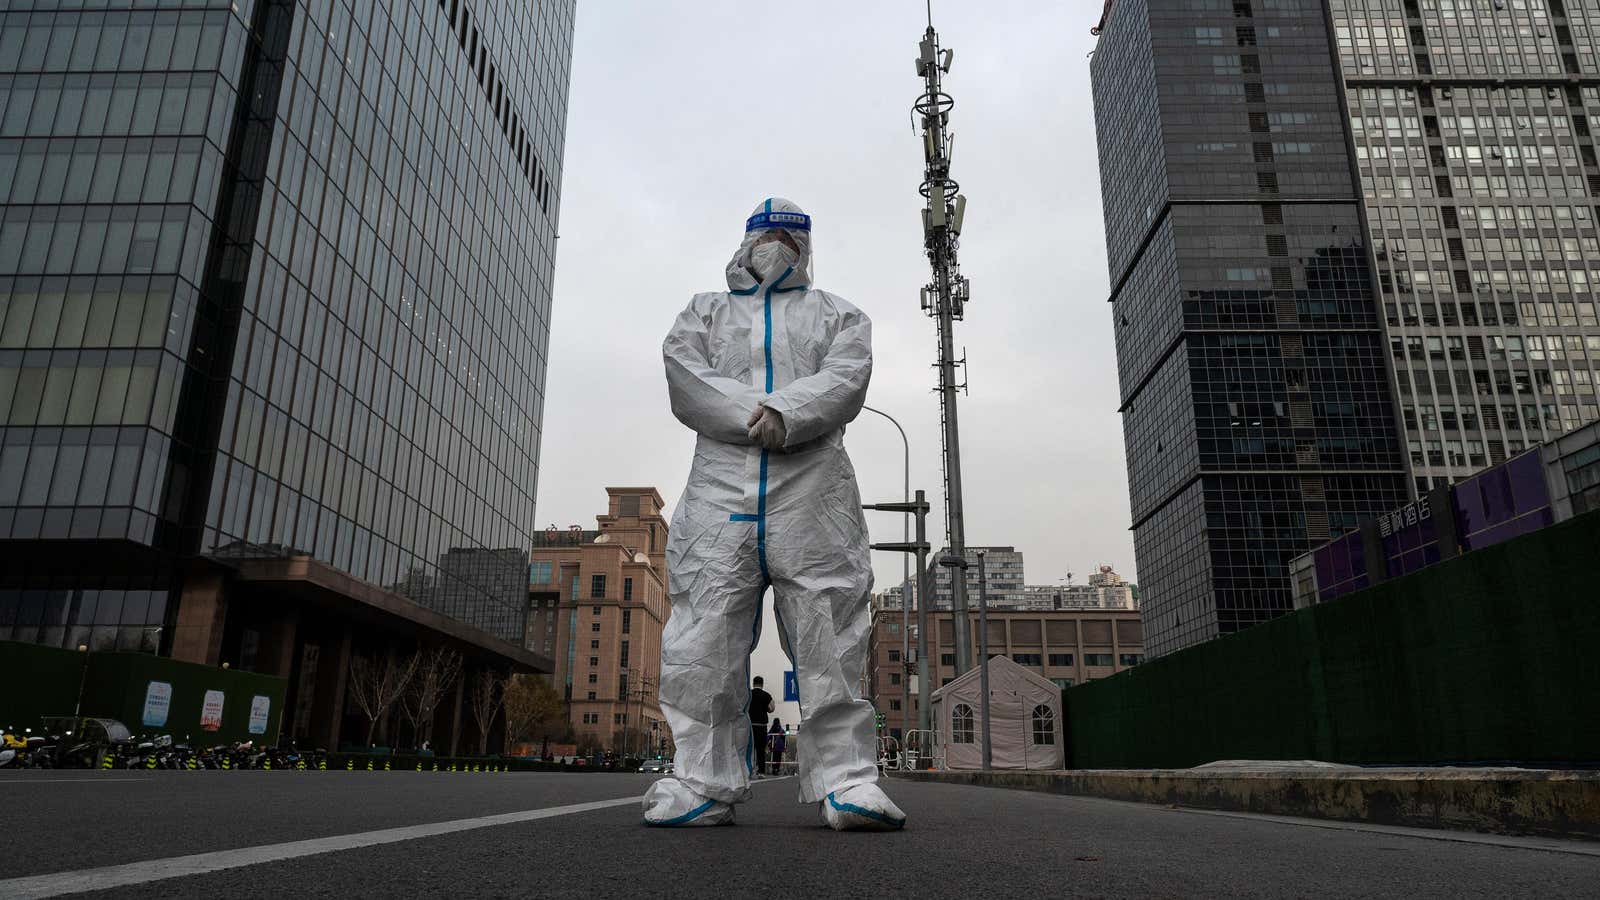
{"x":684,"y":115}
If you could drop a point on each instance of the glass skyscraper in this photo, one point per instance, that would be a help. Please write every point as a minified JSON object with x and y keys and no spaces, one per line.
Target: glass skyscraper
{"x":1472,"y":126}
{"x":274,"y":279}
{"x":1256,"y":394}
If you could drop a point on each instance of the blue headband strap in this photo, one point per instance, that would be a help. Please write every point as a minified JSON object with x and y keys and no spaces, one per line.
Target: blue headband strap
{"x":791,"y":220}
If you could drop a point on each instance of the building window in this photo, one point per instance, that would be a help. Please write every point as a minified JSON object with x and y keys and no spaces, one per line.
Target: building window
{"x":947,"y":659}
{"x":539,"y":572}
{"x":616,"y":718}
{"x":594,"y":645}
{"x":894,"y":677}
{"x":961,"y":724}
{"x":627,"y":620}
{"x":593,"y":678}
{"x":1097,"y":659}
{"x":894,"y":656}
{"x":1027,"y":659}
{"x":894,"y":627}
{"x":597,"y":610}
{"x":1130,"y":659}
{"x":627,"y":588}
{"x":594,"y":661}
{"x":597,"y":715}
{"x":894,"y":705}
{"x":1044,"y":725}
{"x":623,"y":656}
{"x":1062,"y":683}
{"x":597,"y":586}
{"x":1061,"y":659}
{"x":595,"y":626}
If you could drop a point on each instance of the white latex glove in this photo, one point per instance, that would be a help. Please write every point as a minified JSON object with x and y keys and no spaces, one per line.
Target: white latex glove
{"x":766,"y":428}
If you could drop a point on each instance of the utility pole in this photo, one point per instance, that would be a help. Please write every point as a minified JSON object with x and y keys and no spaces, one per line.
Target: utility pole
{"x":944,"y":298}
{"x":919,"y":547}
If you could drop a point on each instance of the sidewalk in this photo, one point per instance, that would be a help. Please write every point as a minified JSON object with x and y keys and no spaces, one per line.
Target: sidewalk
{"x":1545,"y":802}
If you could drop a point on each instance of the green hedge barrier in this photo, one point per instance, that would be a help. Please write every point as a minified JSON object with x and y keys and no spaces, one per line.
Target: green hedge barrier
{"x":1491,"y":657}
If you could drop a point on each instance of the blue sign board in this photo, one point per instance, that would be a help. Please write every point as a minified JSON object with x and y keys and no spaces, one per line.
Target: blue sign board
{"x":791,"y":688}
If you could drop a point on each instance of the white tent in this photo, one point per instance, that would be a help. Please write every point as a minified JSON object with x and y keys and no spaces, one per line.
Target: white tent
{"x":1024,"y":719}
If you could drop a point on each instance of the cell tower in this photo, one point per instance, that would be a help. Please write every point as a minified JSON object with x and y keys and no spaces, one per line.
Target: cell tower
{"x":944,"y":298}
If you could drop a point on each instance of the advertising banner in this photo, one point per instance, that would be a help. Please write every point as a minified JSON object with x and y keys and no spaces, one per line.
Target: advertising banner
{"x":157,"y":703}
{"x":211,"y":711}
{"x":260,"y":707}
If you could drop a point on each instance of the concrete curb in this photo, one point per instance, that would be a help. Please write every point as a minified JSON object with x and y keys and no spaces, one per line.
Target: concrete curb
{"x":1548,"y":803}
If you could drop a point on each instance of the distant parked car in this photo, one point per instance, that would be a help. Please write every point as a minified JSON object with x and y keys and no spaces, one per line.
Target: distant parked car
{"x":656,"y":766}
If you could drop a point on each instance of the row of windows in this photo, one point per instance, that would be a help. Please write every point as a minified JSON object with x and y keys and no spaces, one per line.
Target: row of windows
{"x":153,"y":105}
{"x":110,"y":42}
{"x":962,"y":729}
{"x":114,"y":170}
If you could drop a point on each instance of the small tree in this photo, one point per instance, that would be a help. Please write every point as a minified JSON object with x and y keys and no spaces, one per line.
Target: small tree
{"x":437,"y":670}
{"x":487,"y":695}
{"x":531,"y":706}
{"x":378,"y":682}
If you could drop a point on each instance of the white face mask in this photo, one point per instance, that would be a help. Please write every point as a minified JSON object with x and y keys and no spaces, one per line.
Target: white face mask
{"x":768,"y":259}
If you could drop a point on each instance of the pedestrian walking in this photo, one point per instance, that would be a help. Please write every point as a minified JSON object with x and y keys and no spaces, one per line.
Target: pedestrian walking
{"x":761,"y":706}
{"x":775,"y":746}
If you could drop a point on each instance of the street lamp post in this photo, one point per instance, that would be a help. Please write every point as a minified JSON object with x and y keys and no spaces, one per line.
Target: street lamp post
{"x":905,"y":583}
{"x":983,"y":651}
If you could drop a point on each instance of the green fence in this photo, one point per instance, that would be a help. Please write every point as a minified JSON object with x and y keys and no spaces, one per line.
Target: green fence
{"x":1494,"y":656}
{"x":37,"y":681}
{"x":147,"y":693}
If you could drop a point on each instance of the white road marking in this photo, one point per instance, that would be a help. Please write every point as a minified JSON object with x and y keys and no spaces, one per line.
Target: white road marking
{"x":107,"y":877}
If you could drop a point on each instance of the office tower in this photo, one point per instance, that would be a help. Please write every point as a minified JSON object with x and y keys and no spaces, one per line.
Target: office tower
{"x":1257,"y":404}
{"x":274,"y":284}
{"x":1471,"y":130}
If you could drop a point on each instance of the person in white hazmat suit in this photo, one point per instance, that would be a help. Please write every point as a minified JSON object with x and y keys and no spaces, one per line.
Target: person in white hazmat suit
{"x":768,"y":373}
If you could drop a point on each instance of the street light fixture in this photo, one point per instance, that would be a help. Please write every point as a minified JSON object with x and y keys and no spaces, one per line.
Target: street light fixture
{"x":905,"y":583}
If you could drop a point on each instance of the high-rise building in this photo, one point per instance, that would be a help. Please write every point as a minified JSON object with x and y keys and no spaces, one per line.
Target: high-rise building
{"x":597,"y":605}
{"x":1105,"y":590}
{"x":274,"y":281}
{"x":1003,"y":575}
{"x":1257,"y":400}
{"x":1471,"y":126}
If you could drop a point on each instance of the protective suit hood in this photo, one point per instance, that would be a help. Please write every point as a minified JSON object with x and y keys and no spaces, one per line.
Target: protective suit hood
{"x":775,"y":212}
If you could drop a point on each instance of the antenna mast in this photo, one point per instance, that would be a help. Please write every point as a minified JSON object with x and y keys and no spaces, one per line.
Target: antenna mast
{"x":944,"y":298}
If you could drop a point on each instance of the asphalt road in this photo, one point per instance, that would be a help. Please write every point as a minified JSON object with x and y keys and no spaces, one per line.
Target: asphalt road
{"x":960,"y":841}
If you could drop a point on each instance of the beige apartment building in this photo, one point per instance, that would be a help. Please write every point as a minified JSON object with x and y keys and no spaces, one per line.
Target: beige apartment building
{"x":1067,"y":646}
{"x":597,"y":602}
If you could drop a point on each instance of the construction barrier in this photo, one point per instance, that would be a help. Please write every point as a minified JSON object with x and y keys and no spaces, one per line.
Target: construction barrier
{"x":1486,"y":658}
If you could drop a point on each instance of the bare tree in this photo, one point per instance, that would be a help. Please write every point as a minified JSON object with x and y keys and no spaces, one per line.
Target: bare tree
{"x":531,"y":706}
{"x":487,"y":695}
{"x":437,"y":669}
{"x":378,"y":682}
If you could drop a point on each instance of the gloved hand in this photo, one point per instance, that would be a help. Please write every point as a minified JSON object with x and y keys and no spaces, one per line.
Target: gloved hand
{"x":766,"y":428}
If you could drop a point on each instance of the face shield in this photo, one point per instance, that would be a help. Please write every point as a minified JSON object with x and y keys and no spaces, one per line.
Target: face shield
{"x":777,"y":240}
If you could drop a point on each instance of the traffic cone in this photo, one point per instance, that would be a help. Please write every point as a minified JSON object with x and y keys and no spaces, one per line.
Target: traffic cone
{"x":349,"y":765}
{"x":386,"y":765}
{"x":105,"y":761}
{"x":369,"y":764}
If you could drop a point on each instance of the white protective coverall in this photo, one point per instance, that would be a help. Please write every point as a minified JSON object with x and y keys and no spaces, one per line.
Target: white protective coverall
{"x":750,"y":518}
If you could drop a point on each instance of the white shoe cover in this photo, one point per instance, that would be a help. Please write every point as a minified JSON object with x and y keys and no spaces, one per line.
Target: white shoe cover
{"x":863,"y":807}
{"x":670,"y":803}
